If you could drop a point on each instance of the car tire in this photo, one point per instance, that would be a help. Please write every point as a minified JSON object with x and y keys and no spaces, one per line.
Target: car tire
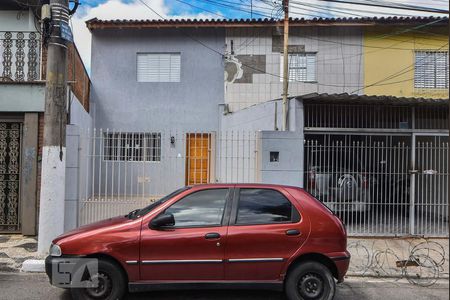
{"x":310,"y":280}
{"x":112,"y":283}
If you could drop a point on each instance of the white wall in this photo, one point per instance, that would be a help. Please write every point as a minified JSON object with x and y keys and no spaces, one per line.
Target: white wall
{"x":15,"y":20}
{"x":77,"y":147}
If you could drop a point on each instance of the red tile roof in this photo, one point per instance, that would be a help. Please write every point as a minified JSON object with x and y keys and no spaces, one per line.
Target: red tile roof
{"x":174,"y":23}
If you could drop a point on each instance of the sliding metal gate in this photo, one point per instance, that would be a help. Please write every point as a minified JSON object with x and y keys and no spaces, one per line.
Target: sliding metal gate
{"x":367,"y":181}
{"x":384,"y":171}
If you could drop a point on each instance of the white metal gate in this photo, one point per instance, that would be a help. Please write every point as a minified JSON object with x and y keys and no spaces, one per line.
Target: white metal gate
{"x":125,"y":170}
{"x":381,"y":164}
{"x":370,"y":183}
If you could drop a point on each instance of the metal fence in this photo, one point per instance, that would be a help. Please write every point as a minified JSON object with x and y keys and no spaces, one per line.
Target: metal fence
{"x":381,"y":185}
{"x":127,"y":170}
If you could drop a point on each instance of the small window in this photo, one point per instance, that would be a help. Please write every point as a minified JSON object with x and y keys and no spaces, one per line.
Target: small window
{"x":158,"y":67}
{"x":264,"y":206}
{"x":431,"y":70}
{"x":132,"y":146}
{"x":302,"y":67}
{"x":200,"y":209}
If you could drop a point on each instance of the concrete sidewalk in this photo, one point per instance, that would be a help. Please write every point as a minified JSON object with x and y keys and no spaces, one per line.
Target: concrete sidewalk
{"x":14,"y":250}
{"x":420,"y":260}
{"x":38,"y":287}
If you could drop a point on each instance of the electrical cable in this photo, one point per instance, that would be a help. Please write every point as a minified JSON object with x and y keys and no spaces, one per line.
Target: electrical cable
{"x":204,"y":9}
{"x":385,"y":5}
{"x":257,"y":69}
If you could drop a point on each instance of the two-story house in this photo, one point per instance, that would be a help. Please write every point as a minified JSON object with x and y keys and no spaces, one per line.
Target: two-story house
{"x":168,"y":92}
{"x":22,"y":100}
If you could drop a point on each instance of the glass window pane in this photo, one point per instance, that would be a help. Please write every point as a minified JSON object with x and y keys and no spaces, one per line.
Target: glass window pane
{"x":203,"y":208}
{"x":263,"y":206}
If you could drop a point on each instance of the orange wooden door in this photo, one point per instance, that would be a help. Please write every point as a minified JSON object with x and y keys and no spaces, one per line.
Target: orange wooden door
{"x":198,"y":147}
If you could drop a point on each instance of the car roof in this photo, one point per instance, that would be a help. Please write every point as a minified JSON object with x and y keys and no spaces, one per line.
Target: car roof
{"x":237,"y":185}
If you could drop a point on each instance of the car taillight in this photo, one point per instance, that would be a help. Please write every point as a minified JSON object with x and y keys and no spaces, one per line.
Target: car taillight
{"x":312,"y":179}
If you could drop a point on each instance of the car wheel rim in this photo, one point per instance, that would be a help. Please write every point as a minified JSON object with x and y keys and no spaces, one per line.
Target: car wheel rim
{"x":103,"y":289}
{"x":310,"y":286}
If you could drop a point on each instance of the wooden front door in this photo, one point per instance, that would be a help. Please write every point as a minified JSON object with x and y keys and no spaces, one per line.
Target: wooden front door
{"x":198,"y":149}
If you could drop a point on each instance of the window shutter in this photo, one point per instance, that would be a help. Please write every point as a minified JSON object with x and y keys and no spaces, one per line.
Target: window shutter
{"x":302,"y":67}
{"x":311,"y":67}
{"x":431,"y":69}
{"x":441,"y":70}
{"x":158,"y":67}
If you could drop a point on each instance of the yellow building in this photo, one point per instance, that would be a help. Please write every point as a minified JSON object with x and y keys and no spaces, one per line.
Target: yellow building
{"x":410,"y":61}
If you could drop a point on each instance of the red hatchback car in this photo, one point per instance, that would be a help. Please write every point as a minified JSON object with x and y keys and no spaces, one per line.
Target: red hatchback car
{"x":248,"y":236}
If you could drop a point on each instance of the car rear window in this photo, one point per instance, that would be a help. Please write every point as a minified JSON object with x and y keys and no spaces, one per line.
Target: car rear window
{"x":264,"y":206}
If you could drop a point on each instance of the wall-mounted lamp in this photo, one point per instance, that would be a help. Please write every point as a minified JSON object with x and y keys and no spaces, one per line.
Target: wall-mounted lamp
{"x":172,"y":140}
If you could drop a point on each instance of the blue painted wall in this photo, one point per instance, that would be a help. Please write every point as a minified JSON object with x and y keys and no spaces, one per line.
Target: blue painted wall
{"x":124,"y":104}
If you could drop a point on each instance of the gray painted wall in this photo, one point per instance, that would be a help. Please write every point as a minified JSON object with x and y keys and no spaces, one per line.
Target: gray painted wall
{"x":124,"y":104}
{"x":288,"y":169}
{"x":262,"y":117}
{"x":15,"y":20}
{"x":290,"y":144}
{"x":24,"y":97}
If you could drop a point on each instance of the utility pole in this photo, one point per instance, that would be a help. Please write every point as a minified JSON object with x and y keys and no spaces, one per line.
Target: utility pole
{"x":51,"y":209}
{"x":285,"y":65}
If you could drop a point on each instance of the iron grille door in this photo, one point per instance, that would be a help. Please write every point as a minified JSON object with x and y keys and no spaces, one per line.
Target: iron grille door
{"x":9,"y":176}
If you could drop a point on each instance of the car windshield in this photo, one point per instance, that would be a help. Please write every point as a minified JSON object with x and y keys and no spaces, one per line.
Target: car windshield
{"x":149,"y":208}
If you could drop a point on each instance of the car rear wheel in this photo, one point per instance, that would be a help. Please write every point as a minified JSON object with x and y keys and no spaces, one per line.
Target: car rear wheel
{"x":310,"y":280}
{"x":111,"y":284}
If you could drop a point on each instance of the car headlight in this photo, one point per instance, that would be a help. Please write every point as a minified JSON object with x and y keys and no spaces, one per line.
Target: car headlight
{"x":55,"y":250}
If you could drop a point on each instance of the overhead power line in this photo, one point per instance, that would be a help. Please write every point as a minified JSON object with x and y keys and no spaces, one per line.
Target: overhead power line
{"x":378,"y":83}
{"x":392,"y":6}
{"x":201,"y":8}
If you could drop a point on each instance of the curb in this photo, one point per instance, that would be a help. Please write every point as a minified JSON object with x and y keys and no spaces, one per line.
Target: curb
{"x":33,"y":266}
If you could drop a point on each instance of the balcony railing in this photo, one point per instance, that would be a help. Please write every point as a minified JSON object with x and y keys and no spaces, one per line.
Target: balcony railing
{"x":20,"y":56}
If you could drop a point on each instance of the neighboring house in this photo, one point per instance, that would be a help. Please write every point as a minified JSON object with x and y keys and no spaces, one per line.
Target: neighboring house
{"x":22,"y":99}
{"x":196,"y":101}
{"x":356,"y":56}
{"x":410,"y":60}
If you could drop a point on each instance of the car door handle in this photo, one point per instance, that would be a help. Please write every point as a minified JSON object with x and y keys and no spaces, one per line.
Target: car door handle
{"x":293,"y":232}
{"x":212,"y":236}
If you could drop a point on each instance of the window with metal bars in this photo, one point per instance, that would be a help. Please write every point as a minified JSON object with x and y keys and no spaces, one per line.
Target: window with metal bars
{"x":158,"y":67}
{"x":132,"y":146}
{"x":302,"y":67}
{"x":431,"y":70}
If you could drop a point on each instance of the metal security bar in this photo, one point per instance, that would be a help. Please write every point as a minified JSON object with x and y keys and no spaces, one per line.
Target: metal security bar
{"x":397,"y":117}
{"x":127,"y":170}
{"x":20,"y":56}
{"x":431,"y":186}
{"x":10,"y":143}
{"x":366,"y":180}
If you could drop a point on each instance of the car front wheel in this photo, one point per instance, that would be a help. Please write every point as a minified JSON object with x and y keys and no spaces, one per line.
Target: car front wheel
{"x":111,"y":284}
{"x":310,"y":280}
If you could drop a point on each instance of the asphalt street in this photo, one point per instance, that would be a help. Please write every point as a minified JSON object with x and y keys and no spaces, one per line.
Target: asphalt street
{"x":36,"y":286}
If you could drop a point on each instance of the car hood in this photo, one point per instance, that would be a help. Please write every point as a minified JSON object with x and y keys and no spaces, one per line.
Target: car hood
{"x":92,"y":228}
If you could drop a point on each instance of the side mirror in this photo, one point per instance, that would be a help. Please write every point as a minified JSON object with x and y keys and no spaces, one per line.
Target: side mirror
{"x":161,"y":221}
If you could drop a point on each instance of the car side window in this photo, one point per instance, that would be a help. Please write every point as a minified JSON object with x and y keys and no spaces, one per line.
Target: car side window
{"x":200,"y":209}
{"x":264,"y":206}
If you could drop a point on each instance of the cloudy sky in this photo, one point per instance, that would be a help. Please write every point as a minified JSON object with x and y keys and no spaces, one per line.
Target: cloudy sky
{"x":135,"y":9}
